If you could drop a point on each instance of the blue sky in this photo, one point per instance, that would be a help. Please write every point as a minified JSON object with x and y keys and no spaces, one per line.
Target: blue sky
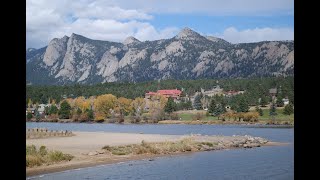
{"x":217,"y":24}
{"x":237,"y":21}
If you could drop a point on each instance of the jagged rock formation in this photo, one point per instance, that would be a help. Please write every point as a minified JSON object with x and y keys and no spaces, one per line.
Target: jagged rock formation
{"x":188,"y":55}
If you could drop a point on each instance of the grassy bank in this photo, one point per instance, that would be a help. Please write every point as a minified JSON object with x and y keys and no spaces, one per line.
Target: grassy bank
{"x":37,"y":157}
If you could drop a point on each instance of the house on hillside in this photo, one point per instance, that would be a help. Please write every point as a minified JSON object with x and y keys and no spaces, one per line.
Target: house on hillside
{"x":232,"y":93}
{"x":32,"y":110}
{"x":285,"y":101}
{"x":173,"y":93}
{"x":42,"y":107}
{"x":273,"y":92}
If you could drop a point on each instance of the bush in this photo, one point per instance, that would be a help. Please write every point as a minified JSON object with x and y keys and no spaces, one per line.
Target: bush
{"x":75,"y":117}
{"x":43,"y":151}
{"x":90,"y":114}
{"x":29,"y":115}
{"x":31,"y":150}
{"x":32,"y":160}
{"x":135,"y":119}
{"x":56,"y":156}
{"x":197,"y":116}
{"x":53,"y":116}
{"x":174,"y":116}
{"x":36,"y":157}
{"x":83,"y":117}
{"x":99,"y":117}
{"x":288,"y":109}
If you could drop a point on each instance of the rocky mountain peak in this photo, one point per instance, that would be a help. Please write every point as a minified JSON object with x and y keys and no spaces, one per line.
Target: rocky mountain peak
{"x":130,"y":40}
{"x":188,"y":34}
{"x":30,"y":49}
{"x":78,"y":59}
{"x":217,"y":40}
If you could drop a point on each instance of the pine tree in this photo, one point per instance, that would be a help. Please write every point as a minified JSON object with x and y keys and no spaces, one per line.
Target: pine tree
{"x":259,"y":110}
{"x":212,"y":106}
{"x":273,"y":112}
{"x":197,"y":102}
{"x":53,"y":110}
{"x":64,"y":112}
{"x":218,"y":110}
{"x":288,"y":109}
{"x":243,"y":105}
{"x":279,"y":101}
{"x":90,"y":114}
{"x":263,"y":101}
{"x":170,"y":106}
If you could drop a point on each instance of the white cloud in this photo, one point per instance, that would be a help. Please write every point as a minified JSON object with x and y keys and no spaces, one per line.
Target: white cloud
{"x":213,"y":7}
{"x":94,"y":19}
{"x":233,"y":35}
{"x":115,"y":20}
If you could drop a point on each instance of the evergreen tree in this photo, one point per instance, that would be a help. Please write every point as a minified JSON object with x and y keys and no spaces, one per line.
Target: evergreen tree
{"x":273,"y":112}
{"x":64,"y":112}
{"x":212,"y":106}
{"x":243,"y":105}
{"x":90,"y":114}
{"x":218,"y":110}
{"x":263,"y":101}
{"x":288,"y":109}
{"x":279,"y":101}
{"x":170,"y":106}
{"x":189,"y":105}
{"x":197,"y":102}
{"x":37,"y":115}
{"x":53,"y":110}
{"x":259,"y":110}
{"x":29,"y":115}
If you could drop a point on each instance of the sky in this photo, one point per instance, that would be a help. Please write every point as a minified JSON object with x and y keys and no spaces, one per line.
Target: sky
{"x":237,"y":21}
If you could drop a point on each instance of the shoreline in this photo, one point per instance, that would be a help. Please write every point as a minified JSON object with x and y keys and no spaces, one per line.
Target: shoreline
{"x":78,"y":164}
{"x":185,"y":122}
{"x":85,"y":142}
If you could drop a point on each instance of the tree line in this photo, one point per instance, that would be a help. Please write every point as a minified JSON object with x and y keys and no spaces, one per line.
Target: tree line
{"x":255,"y":88}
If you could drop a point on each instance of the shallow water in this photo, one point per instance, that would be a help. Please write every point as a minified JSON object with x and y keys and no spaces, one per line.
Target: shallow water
{"x":270,"y":162}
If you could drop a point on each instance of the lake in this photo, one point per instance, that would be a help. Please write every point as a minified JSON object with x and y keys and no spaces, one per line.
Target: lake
{"x":270,"y":162}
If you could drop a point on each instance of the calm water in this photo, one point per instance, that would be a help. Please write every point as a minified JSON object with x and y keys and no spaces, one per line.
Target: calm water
{"x":257,"y":163}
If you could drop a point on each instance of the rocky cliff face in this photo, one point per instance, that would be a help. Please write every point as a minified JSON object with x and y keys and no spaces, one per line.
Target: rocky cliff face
{"x":188,"y":55}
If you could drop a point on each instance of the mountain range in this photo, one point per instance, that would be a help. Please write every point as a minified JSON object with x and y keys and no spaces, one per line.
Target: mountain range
{"x":188,"y":55}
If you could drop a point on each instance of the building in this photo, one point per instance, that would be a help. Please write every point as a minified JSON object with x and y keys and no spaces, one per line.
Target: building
{"x":41,"y":108}
{"x":232,"y":93}
{"x":32,"y":110}
{"x":273,"y":92}
{"x":285,"y":101}
{"x":173,"y":93}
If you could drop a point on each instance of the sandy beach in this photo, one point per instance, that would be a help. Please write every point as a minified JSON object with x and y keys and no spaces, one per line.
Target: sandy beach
{"x":84,"y":142}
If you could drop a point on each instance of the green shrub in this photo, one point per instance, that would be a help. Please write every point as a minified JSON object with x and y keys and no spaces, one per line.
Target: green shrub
{"x":31,"y":150}
{"x":56,"y":156}
{"x":43,"y":151}
{"x":36,"y":157}
{"x":29,"y":115}
{"x":33,"y":160}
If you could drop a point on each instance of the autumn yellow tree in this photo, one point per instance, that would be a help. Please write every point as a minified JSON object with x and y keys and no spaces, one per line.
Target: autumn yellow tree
{"x":82,"y":103}
{"x":138,"y":105}
{"x":103,"y":104}
{"x":156,"y":106}
{"x":71,"y":102}
{"x":30,"y":103}
{"x":123,"y":106}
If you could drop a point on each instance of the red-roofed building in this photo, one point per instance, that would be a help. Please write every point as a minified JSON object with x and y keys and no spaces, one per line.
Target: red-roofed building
{"x":174,"y":93}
